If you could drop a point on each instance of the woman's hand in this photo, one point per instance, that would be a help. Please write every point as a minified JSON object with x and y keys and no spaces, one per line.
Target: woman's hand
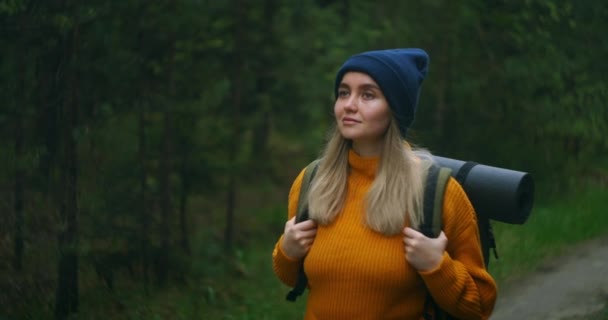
{"x":298,"y":238}
{"x":424,"y":254}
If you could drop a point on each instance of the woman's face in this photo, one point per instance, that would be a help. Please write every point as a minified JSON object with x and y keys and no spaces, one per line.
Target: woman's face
{"x":362,"y":112}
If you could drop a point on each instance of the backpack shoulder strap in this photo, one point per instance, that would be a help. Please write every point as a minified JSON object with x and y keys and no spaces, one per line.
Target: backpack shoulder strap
{"x":432,"y":223}
{"x":309,"y":174}
{"x":302,"y":215}
{"x":436,"y":180}
{"x":486,"y":234}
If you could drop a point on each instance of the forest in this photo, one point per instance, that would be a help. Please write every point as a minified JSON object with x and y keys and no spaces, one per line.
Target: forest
{"x":147,"y":148}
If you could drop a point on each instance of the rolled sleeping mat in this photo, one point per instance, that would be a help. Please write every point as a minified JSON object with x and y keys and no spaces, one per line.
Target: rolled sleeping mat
{"x":496,"y":193}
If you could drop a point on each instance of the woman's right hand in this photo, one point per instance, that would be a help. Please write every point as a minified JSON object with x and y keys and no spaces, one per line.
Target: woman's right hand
{"x":298,"y":238}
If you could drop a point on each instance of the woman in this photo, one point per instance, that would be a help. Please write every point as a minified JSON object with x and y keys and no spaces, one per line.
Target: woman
{"x":365,"y":258}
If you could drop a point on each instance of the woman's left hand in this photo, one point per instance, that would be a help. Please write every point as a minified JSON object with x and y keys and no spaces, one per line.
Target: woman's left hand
{"x":423,"y":253}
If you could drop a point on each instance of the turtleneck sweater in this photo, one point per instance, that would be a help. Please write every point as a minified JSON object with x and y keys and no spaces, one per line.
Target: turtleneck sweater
{"x":357,"y":273}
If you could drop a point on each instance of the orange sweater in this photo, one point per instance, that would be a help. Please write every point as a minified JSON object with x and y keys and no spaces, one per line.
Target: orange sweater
{"x":356,"y":273}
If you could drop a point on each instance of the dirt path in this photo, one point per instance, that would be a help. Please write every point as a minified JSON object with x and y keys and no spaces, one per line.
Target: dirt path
{"x":565,"y":288}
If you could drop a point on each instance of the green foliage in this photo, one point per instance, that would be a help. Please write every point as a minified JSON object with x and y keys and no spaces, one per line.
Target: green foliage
{"x":11,"y":7}
{"x":555,"y":225}
{"x":599,"y":315}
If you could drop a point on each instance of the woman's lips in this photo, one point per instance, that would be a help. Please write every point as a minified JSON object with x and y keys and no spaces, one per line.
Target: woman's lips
{"x":348,"y":120}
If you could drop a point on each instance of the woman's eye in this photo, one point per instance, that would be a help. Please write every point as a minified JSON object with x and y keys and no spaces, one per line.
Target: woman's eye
{"x":368,"y":95}
{"x":342,"y":93}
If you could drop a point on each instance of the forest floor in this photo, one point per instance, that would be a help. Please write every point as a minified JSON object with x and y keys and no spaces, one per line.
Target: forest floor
{"x":572,"y":286}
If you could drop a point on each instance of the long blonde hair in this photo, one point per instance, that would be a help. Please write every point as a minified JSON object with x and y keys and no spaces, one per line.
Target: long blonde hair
{"x":395,"y":195}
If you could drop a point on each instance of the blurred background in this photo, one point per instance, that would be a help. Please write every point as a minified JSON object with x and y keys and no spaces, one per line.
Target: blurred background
{"x":147,"y":148}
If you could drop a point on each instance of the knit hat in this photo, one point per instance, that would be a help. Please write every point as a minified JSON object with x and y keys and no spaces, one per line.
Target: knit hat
{"x":398,"y":72}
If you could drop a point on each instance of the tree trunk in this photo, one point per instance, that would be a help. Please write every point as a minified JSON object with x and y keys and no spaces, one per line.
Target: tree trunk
{"x":230,"y":204}
{"x":18,"y":191}
{"x":165,"y":174}
{"x":231,"y":193}
{"x":165,"y":200}
{"x":442,"y":87}
{"x":443,"y":83}
{"x":67,"y":280}
{"x":261,"y":132}
{"x":143,"y":197}
{"x":183,"y":211}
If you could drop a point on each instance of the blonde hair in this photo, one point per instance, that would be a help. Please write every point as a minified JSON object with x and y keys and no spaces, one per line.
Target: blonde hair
{"x":395,"y":195}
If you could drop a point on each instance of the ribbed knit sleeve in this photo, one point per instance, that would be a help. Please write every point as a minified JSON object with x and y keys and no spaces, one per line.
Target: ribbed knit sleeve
{"x":461,"y":285}
{"x":285,"y":267}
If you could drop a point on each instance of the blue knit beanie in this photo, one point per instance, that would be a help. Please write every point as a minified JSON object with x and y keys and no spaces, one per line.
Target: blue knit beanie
{"x":398,"y":72}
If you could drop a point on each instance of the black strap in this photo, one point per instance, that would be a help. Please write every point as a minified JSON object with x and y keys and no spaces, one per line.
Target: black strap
{"x":431,"y":225}
{"x":309,"y":174}
{"x":302,"y":215}
{"x":485,"y":227}
{"x":429,"y":199}
{"x":427,"y":226}
{"x":434,"y":190}
{"x":301,"y":283}
{"x":463,"y":172}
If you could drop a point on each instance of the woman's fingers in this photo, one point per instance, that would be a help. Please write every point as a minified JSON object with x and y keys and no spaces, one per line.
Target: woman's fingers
{"x":412,"y":233}
{"x":298,"y":237}
{"x":306,"y":225}
{"x":305,"y":229}
{"x":421,"y":252}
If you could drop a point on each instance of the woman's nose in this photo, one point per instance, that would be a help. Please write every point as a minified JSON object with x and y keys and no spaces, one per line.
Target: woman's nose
{"x":350,"y":105}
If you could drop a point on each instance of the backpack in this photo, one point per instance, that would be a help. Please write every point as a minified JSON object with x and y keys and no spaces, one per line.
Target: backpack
{"x":437,"y":179}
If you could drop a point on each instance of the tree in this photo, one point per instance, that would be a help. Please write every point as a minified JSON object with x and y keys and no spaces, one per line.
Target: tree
{"x":67,"y":189}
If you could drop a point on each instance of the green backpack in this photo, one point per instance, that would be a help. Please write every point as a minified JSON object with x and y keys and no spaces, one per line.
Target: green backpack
{"x":437,"y":179}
